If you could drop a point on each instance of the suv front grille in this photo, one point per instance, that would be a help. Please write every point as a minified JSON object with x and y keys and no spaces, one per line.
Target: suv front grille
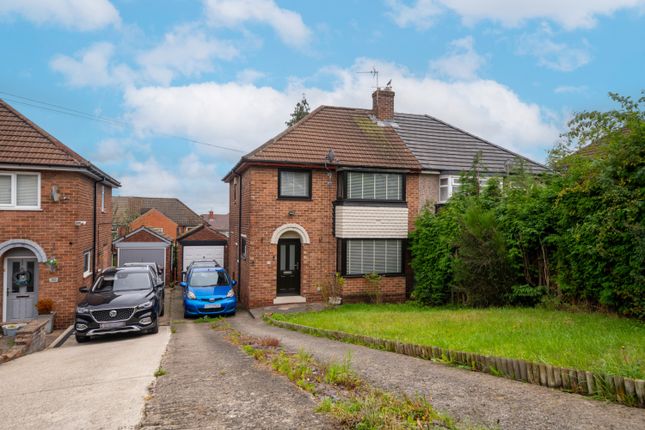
{"x":122,"y":314}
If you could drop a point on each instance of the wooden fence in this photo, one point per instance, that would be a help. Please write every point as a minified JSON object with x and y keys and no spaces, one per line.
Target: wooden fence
{"x":620,"y":389}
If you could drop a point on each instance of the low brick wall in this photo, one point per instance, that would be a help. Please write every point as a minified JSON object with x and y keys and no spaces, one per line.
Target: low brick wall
{"x":30,"y":338}
{"x":619,"y":389}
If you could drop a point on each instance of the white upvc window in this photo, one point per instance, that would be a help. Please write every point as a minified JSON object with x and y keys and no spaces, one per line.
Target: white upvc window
{"x":19,"y":191}
{"x":103,"y":198}
{"x":450,"y":184}
{"x":87,"y":264}
{"x":381,"y":256}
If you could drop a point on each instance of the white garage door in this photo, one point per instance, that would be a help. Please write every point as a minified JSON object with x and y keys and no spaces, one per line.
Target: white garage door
{"x":192,"y":253}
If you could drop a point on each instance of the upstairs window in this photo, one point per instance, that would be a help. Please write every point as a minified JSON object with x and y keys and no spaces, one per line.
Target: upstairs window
{"x":449,"y":185}
{"x":374,"y":186}
{"x":19,"y":191}
{"x":294,"y":184}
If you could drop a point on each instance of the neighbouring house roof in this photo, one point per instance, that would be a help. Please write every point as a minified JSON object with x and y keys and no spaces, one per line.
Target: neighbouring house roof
{"x":125,"y":207}
{"x":144,"y":234}
{"x":203,"y":233}
{"x":443,"y":147}
{"x":24,"y":143}
{"x":356,"y":139}
{"x":218,"y":222}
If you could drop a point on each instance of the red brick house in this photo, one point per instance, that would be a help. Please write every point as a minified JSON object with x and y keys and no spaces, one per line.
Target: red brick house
{"x":339,"y":192}
{"x":56,"y":207}
{"x":166,"y":215}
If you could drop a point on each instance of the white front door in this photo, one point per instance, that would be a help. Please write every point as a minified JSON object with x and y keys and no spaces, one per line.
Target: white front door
{"x":22,"y":288}
{"x":193,"y":253}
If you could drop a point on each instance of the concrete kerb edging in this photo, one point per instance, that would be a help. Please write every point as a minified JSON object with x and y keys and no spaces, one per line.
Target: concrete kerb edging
{"x":60,"y":340}
{"x":628,"y":391}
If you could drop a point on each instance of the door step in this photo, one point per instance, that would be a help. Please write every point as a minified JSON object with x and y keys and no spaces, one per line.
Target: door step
{"x":284,"y":300}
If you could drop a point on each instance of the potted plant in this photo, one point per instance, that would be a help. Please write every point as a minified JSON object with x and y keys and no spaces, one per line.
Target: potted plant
{"x":45,"y":309}
{"x":52,"y":262}
{"x":11,"y":329}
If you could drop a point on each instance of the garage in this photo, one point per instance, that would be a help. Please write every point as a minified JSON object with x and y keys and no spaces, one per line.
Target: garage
{"x":144,"y":245}
{"x":202,"y":243}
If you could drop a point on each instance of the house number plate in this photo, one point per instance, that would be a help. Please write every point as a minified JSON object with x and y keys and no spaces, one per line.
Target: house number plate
{"x":53,"y":279}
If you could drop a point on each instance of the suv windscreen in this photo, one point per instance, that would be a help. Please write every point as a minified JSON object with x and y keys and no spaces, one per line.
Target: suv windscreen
{"x":208,"y":279}
{"x":123,"y":281}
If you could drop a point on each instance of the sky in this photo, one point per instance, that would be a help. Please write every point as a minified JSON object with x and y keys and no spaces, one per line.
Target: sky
{"x":167,"y":95}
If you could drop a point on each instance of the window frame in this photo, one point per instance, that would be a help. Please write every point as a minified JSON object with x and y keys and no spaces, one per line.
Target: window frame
{"x":13,"y":206}
{"x":455,"y":181}
{"x":309,"y":188}
{"x":243,"y":246}
{"x":342,"y":258}
{"x":343,"y":187}
{"x":87,"y":258}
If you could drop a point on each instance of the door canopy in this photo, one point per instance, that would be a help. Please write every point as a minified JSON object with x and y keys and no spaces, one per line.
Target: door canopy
{"x":38,"y":251}
{"x":296,"y":228}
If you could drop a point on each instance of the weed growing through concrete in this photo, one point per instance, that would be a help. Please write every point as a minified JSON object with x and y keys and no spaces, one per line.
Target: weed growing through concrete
{"x":350,"y":401}
{"x":160,"y":372}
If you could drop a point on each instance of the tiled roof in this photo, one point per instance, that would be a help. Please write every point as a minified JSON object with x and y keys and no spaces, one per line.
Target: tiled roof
{"x":440,"y":146}
{"x":355,"y":138}
{"x":23,"y":142}
{"x":219,"y":222}
{"x":126,"y":207}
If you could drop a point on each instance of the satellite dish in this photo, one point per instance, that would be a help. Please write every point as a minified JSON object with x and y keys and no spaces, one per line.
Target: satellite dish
{"x":55,"y":194}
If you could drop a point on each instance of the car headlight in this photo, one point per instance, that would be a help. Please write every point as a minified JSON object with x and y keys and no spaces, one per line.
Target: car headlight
{"x":82,"y":310}
{"x":230,"y":293}
{"x":191,"y":295}
{"x":145,"y":305}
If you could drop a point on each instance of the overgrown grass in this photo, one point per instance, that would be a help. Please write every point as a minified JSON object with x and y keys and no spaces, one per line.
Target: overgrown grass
{"x":340,"y":393}
{"x":587,"y":341}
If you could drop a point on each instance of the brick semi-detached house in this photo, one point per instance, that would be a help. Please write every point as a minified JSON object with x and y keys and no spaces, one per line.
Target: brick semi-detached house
{"x":54,"y":205}
{"x":339,"y":192}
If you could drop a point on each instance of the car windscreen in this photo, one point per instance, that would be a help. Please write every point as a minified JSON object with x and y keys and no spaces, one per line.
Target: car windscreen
{"x":124,"y":281}
{"x":208,"y":279}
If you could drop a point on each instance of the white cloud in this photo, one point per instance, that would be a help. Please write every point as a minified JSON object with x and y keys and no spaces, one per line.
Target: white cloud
{"x":193,"y":181}
{"x":570,"y":89}
{"x":112,"y":150}
{"x":244,"y":115}
{"x":81,"y":15}
{"x":551,"y":54}
{"x":568,"y":13}
{"x":462,"y":62}
{"x":249,"y":76}
{"x":186,"y":51}
{"x":419,"y":14}
{"x":92,"y":67}
{"x":234,"y":13}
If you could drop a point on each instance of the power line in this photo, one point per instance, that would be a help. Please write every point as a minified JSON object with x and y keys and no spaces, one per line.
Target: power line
{"x":39,"y":104}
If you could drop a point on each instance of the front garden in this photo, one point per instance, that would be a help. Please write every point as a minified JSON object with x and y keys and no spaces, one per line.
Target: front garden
{"x":587,"y":341}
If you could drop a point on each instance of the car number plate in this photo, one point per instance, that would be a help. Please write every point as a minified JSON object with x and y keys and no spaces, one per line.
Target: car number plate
{"x":212,"y":306}
{"x":112,"y":325}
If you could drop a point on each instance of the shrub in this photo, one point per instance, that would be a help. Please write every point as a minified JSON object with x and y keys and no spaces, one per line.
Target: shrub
{"x":45,"y":306}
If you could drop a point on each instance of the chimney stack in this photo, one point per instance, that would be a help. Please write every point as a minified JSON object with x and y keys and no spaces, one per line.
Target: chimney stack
{"x":383,"y":104}
{"x":211,"y":217}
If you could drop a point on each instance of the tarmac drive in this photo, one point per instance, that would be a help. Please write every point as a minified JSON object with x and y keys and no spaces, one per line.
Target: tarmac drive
{"x":96,"y":385}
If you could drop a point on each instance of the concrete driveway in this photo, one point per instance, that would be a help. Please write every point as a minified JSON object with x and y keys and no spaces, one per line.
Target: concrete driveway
{"x":98,"y":385}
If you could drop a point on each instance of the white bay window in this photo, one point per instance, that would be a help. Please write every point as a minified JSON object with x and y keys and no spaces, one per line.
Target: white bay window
{"x":19,"y":191}
{"x":382,"y":256}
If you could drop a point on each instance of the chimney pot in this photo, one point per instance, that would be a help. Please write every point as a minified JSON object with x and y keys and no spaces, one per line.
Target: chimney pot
{"x":383,"y":104}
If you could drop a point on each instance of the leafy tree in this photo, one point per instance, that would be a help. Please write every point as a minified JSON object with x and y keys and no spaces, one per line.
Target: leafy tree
{"x":299,"y":112}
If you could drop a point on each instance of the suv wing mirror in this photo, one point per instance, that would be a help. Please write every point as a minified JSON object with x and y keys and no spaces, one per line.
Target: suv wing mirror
{"x":84,"y":290}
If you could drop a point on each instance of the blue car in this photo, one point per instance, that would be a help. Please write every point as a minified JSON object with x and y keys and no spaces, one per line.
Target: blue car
{"x":208,"y":291}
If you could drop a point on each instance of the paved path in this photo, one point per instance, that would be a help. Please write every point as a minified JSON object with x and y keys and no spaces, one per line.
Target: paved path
{"x":96,"y":385}
{"x":473,"y":397}
{"x":212,"y":384}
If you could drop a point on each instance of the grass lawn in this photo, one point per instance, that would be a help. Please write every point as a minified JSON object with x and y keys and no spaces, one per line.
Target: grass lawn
{"x":595,"y":342}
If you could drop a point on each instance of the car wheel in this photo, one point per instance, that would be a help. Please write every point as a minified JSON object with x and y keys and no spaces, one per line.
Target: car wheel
{"x":186,"y":316}
{"x":231,"y":314}
{"x":81,"y":338}
{"x":155,"y":328}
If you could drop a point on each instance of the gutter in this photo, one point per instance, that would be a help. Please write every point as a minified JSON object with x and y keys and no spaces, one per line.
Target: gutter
{"x":94,"y":228}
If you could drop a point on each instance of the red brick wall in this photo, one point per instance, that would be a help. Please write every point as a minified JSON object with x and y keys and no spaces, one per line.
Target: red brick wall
{"x":263,"y":212}
{"x":155,"y":219}
{"x":54,"y":229}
